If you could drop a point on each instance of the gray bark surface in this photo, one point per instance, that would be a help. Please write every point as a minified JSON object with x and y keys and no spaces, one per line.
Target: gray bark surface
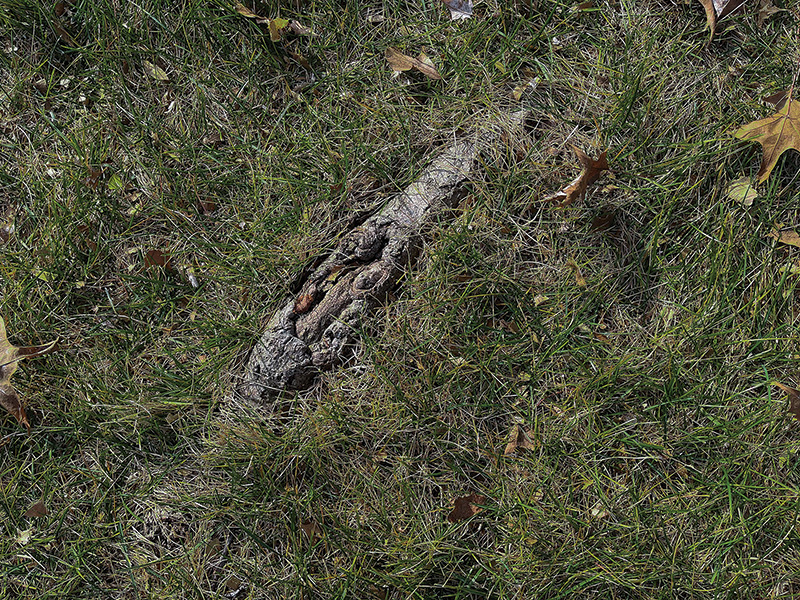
{"x":315,"y":330}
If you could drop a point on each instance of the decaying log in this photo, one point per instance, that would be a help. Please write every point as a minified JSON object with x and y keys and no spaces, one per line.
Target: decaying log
{"x":315,"y":330}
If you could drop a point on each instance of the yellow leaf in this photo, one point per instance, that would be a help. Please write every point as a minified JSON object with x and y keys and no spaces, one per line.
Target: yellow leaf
{"x":275,"y":26}
{"x":245,"y":12}
{"x":742,"y":191}
{"x":155,"y":71}
{"x":115,"y":183}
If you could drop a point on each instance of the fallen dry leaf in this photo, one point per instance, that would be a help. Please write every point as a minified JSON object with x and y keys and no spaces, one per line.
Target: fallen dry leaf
{"x":157,"y":258}
{"x":40,"y":85}
{"x":794,"y":399}
{"x":37,"y":510}
{"x":519,"y":91}
{"x":465,"y":508}
{"x":402,"y":62}
{"x":233,"y":584}
{"x":577,"y":189}
{"x":155,"y":71}
{"x":776,"y":134}
{"x":765,"y":10}
{"x":579,"y":278}
{"x":519,"y":440}
{"x":788,"y":237}
{"x":719,"y":9}
{"x":23,"y":536}
{"x":93,"y":177}
{"x":598,"y":512}
{"x":603,"y":221}
{"x":778,"y":99}
{"x":9,"y":358}
{"x":64,"y":34}
{"x":312,"y":531}
{"x":275,"y":28}
{"x":725,"y":8}
{"x":711,"y":15}
{"x":299,"y":29}
{"x":742,"y":191}
{"x":303,"y":303}
{"x":459,"y":9}
{"x":246,"y":12}
{"x":206,"y":206}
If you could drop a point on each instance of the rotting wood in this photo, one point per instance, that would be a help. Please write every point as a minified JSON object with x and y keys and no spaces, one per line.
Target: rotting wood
{"x":315,"y":329}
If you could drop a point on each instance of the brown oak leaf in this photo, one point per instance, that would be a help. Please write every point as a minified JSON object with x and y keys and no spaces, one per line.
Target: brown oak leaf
{"x":9,"y":358}
{"x":465,"y":508}
{"x":765,"y":10}
{"x":577,"y":189}
{"x":776,"y":134}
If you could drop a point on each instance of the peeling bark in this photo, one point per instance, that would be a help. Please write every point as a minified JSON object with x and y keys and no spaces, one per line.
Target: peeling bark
{"x":315,"y":330}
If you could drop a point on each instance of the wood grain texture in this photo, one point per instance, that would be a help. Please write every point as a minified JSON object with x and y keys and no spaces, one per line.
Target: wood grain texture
{"x":315,"y":329}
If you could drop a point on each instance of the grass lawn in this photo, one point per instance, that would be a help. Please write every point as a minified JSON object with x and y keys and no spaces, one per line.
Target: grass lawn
{"x":166,"y":169}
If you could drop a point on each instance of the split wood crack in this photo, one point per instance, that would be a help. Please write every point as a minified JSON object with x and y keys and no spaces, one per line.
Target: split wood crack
{"x":315,"y":330}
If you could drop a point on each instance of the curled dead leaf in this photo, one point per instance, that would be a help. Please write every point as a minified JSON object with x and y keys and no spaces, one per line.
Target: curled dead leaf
{"x":577,"y":188}
{"x":157,"y":258}
{"x":299,"y":29}
{"x":275,"y":27}
{"x":246,"y":12}
{"x":40,"y":85}
{"x":579,"y":278}
{"x":717,"y":10}
{"x":765,"y":10}
{"x":303,"y":303}
{"x":64,"y":34}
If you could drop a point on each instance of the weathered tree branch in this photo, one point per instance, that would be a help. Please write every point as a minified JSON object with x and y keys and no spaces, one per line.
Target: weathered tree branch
{"x":314,"y":330}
